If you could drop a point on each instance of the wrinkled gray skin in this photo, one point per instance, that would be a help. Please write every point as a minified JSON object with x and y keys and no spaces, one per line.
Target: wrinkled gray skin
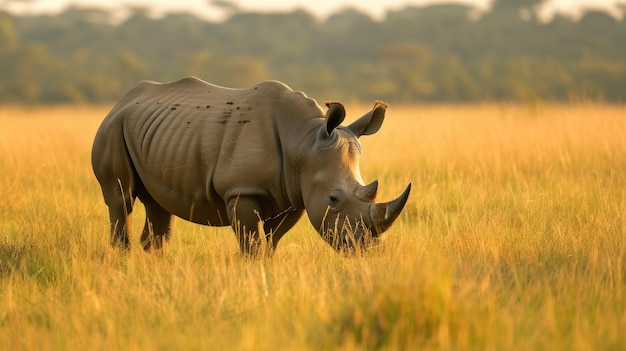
{"x":254,"y":159}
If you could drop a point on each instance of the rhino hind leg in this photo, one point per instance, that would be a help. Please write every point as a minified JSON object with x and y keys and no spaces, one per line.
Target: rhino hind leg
{"x":119,"y":197}
{"x":158,"y":223}
{"x":120,"y":211}
{"x":118,"y":189}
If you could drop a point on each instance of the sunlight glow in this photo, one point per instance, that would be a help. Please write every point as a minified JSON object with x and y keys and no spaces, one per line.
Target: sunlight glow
{"x":321,"y":8}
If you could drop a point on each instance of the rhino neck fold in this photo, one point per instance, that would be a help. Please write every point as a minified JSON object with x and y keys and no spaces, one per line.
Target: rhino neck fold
{"x":297,"y":121}
{"x":297,"y":142}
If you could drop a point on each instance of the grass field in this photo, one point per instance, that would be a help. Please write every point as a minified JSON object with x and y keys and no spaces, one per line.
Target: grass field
{"x":513,"y":239}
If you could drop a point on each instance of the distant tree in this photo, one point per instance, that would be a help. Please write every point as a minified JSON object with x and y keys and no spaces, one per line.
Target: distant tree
{"x":229,"y":7}
{"x":407,"y":64}
{"x":131,"y":68}
{"x":8,"y":38}
{"x":200,"y":63}
{"x":28,"y":63}
{"x":512,"y":8}
{"x":241,"y":72}
{"x":430,"y":53}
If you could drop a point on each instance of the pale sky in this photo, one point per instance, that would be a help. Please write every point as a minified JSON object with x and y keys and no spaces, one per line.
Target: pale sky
{"x":319,"y":7}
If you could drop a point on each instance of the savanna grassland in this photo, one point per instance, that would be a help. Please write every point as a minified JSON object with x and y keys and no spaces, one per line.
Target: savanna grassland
{"x":513,"y":239}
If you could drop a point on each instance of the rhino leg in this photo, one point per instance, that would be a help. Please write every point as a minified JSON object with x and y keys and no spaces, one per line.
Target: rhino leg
{"x":245,"y":214}
{"x":257,"y":236}
{"x":275,"y":228}
{"x":158,"y":224}
{"x":118,"y":189}
{"x":116,"y":174}
{"x":120,"y":211}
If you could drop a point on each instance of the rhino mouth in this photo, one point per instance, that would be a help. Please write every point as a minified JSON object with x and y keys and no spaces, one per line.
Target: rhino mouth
{"x":357,"y":234}
{"x":350,"y":238}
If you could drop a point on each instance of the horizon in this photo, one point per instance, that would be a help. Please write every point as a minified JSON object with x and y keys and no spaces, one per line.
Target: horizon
{"x":211,"y":11}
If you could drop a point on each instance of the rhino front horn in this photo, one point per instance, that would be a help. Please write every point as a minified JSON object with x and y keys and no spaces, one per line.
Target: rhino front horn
{"x":384,"y":214}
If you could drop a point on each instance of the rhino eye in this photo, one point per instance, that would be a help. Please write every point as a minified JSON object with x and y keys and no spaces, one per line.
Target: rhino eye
{"x":334,"y":199}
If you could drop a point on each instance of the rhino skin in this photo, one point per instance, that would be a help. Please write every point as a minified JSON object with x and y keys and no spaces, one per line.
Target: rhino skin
{"x":254,"y":159}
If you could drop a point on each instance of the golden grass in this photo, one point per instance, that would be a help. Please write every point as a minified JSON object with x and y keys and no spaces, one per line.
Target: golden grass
{"x":513,"y":239}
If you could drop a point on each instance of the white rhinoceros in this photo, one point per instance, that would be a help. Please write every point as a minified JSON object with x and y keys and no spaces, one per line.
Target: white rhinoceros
{"x":254,"y":159}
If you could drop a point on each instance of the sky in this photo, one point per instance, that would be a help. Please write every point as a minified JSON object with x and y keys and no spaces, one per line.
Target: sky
{"x":321,"y":8}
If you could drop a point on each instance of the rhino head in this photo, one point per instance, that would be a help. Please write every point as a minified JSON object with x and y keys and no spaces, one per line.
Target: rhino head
{"x":336,"y":200}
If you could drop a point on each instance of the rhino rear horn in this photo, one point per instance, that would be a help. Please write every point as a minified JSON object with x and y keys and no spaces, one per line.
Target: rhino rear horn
{"x":367,"y":192}
{"x":334,"y":116}
{"x":370,"y":122}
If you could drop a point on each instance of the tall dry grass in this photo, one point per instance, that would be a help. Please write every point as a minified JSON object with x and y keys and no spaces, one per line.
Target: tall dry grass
{"x":513,"y":239}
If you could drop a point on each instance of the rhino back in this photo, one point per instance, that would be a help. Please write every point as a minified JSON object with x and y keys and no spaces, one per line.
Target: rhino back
{"x":194,"y":144}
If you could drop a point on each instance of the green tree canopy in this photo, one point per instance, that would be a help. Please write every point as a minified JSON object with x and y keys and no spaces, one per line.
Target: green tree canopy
{"x":433,"y":53}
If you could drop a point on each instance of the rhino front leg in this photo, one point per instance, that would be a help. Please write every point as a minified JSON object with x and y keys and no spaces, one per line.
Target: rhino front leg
{"x":275,"y":228}
{"x":245,"y":215}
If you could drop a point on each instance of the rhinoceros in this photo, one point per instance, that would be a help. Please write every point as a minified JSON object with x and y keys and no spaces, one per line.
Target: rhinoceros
{"x":254,"y":159}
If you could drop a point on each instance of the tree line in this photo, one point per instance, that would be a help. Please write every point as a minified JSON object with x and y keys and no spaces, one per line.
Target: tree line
{"x":438,"y":53}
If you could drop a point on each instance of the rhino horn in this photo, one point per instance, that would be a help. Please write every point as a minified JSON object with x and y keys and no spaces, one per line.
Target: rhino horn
{"x":367,"y":192}
{"x":384,"y":214}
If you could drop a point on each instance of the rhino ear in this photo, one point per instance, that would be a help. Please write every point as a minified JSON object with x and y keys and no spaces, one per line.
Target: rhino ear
{"x":370,"y":122}
{"x":334,"y":116}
